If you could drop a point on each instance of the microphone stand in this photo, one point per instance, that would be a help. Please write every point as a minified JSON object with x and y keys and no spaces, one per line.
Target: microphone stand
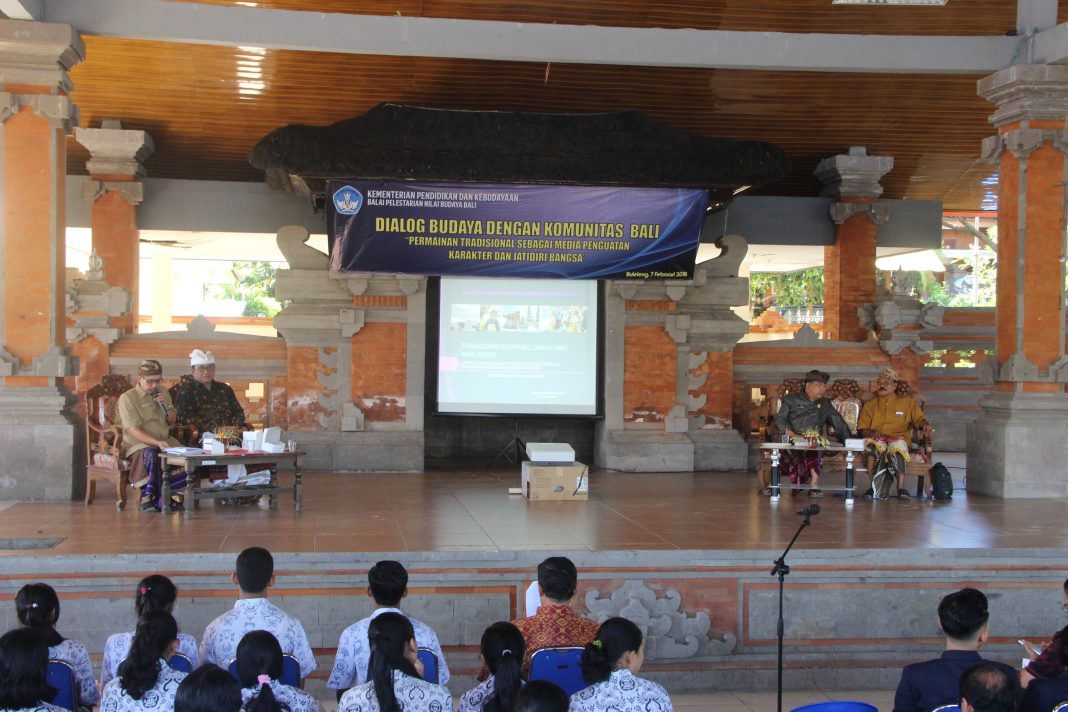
{"x":781,"y":569}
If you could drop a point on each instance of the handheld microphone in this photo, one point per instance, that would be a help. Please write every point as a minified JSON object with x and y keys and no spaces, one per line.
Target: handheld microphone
{"x":809,"y":510}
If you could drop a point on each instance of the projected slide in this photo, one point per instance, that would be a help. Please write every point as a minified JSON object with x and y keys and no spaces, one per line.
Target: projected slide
{"x":518,"y":346}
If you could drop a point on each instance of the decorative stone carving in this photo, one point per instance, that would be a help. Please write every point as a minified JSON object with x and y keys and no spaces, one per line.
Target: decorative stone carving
{"x":352,"y":320}
{"x":291,"y":241}
{"x":39,"y":53}
{"x":116,"y":151}
{"x":878,"y":213}
{"x":670,"y":632}
{"x":897,"y":316}
{"x":1026,"y":92}
{"x":1023,"y":142}
{"x":330,"y":379}
{"x":133,"y":192}
{"x":806,"y":336}
{"x":853,"y":175}
{"x":92,"y":304}
{"x":1018,"y":368}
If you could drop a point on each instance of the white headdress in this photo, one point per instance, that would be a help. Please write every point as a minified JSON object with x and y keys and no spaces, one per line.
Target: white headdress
{"x":201,"y":358}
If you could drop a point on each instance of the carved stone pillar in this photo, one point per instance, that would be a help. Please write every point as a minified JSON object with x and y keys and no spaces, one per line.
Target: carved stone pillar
{"x":115,"y":191}
{"x":849,"y":265}
{"x":898,"y":321}
{"x":355,"y":362}
{"x":669,"y":373}
{"x":1018,"y":446}
{"x":40,"y":445}
{"x":96,"y":309}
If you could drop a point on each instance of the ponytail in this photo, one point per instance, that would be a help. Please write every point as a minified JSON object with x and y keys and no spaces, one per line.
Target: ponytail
{"x":37,"y":607}
{"x":138,"y":673}
{"x":615,"y":637}
{"x":259,"y":660}
{"x":389,"y":635}
{"x":155,"y":593}
{"x":503,"y":649}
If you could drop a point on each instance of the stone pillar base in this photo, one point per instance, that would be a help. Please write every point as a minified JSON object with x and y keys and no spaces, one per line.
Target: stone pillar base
{"x":368,"y":451}
{"x":1018,"y":446}
{"x":41,"y":446}
{"x":719,"y":450}
{"x":643,"y":451}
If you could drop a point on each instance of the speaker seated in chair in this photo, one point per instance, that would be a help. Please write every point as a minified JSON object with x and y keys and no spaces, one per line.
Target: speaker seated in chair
{"x":891,"y":422}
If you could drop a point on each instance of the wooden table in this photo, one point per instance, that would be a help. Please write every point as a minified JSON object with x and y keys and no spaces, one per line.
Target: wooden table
{"x":776,"y":453}
{"x":194,"y":493}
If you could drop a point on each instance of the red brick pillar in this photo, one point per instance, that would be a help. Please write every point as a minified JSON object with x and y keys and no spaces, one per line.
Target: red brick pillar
{"x":116,"y":166}
{"x":849,"y":265}
{"x":1017,"y":446}
{"x":39,"y":444}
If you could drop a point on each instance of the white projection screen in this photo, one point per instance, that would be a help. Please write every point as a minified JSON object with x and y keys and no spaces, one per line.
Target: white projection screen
{"x":518,"y":347}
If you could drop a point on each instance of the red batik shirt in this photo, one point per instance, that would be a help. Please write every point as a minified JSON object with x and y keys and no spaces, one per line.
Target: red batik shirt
{"x":554,"y":625}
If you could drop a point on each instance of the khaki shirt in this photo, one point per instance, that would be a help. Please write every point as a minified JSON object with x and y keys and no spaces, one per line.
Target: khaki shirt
{"x":894,"y":416}
{"x":138,"y":409}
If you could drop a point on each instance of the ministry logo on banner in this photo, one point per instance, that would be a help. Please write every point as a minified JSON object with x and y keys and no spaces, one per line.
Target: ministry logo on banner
{"x":348,"y":200}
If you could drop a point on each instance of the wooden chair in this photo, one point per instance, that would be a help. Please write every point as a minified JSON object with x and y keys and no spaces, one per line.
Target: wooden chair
{"x":104,"y":439}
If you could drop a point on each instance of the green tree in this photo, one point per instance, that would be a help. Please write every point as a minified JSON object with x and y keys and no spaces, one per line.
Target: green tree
{"x":789,"y":289}
{"x":253,"y":284}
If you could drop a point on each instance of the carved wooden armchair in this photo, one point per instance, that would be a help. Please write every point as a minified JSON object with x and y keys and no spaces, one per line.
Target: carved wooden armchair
{"x":104,"y":439}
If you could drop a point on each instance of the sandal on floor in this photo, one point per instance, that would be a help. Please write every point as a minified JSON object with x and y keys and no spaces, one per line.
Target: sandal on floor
{"x":903,"y":494}
{"x":815,"y":493}
{"x":149,"y":506}
{"x":764,"y":491}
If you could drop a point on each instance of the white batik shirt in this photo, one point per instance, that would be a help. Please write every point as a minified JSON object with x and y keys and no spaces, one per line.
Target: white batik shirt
{"x":41,"y":707}
{"x":76,"y":656}
{"x":294,"y":698}
{"x":354,"y":651}
{"x":222,"y":635}
{"x":159,"y":699}
{"x":117,"y":648}
{"x":476,"y":698}
{"x":413,"y":695}
{"x":622,"y":692}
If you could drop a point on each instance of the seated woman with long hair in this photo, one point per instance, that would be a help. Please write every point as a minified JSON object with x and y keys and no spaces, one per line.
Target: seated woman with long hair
{"x":23,"y":662}
{"x":610,"y":664}
{"x":154,"y":593}
{"x":541,"y":696}
{"x":502,"y":653}
{"x":209,"y":688}
{"x":146,"y":681}
{"x":395,"y":683}
{"x":259,"y":667}
{"x":37,"y":607}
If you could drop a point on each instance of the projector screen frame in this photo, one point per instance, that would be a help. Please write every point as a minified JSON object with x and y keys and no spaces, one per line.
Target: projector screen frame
{"x":433,"y":339}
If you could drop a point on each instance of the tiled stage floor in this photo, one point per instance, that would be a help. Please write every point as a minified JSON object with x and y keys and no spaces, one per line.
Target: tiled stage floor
{"x":470,"y":509}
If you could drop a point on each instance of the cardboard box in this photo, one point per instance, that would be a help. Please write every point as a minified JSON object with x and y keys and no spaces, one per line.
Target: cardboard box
{"x":570,"y":482}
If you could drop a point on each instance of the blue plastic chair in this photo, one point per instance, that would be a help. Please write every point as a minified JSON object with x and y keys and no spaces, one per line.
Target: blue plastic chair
{"x":837,"y":706}
{"x":290,"y":671}
{"x":430,"y":665}
{"x":559,"y":666}
{"x":60,"y":675}
{"x":181,"y":663}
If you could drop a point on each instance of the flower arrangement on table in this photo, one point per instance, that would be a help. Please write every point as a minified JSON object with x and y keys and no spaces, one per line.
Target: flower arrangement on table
{"x":816,"y":438}
{"x":229,"y":434}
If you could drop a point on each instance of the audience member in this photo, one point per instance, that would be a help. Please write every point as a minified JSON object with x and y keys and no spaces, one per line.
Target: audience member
{"x":541,"y":696}
{"x":886,"y":421}
{"x":37,"y":606}
{"x":610,"y":665}
{"x":203,"y":402}
{"x":502,"y":652}
{"x":23,"y":662}
{"x":804,"y":412}
{"x":1043,"y":694}
{"x":1047,"y":663}
{"x":963,"y":618}
{"x":395,"y":683}
{"x":146,"y":414}
{"x":387,"y":584}
{"x":987,"y":688}
{"x":254,"y":574}
{"x":259,"y":668}
{"x":209,"y":688}
{"x":555,"y":624}
{"x":154,"y":593}
{"x":146,"y":682}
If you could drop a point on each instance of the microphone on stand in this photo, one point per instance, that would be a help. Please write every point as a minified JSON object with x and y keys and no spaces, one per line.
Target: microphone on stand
{"x":809,"y":510}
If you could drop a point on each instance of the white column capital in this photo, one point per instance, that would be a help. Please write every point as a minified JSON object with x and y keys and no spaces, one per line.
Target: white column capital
{"x":39,"y":53}
{"x":116,"y":151}
{"x":1026,"y":91}
{"x":853,"y":175}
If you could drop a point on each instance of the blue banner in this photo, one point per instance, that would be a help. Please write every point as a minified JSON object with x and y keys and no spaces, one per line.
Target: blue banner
{"x":514,"y":230}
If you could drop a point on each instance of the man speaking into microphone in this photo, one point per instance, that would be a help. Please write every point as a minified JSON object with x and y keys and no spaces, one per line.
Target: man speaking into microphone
{"x":147,"y":414}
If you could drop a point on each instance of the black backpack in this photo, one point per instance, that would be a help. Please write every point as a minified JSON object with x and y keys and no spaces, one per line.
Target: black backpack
{"x":941,"y":481}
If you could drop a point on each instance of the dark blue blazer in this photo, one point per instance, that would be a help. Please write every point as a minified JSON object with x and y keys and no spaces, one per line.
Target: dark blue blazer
{"x":933,"y":683}
{"x":1044,"y":695}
